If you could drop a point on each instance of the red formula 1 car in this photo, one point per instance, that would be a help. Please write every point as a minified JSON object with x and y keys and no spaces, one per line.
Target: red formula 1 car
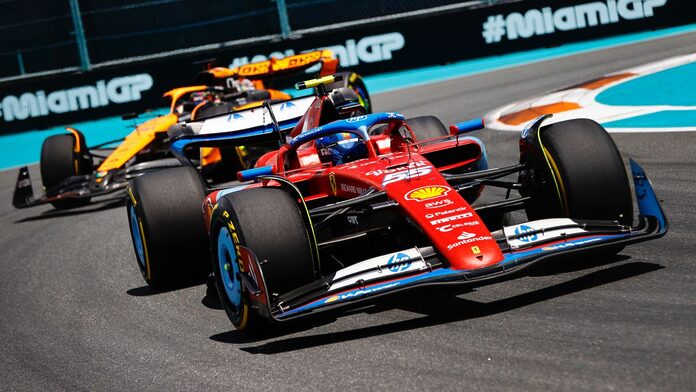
{"x":375,"y":204}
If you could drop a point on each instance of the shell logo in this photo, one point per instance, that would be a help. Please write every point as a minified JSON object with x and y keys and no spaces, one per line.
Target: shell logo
{"x":428,"y":192}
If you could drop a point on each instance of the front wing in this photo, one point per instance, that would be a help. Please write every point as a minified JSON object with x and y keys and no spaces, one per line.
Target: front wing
{"x":416,"y":267}
{"x":84,"y":186}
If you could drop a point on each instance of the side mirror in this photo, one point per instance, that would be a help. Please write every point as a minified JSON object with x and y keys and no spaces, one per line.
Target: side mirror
{"x":466,"y":126}
{"x":251,"y":174}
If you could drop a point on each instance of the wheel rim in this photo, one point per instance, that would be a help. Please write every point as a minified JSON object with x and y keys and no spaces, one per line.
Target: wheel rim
{"x":362,"y":98}
{"x":137,"y":237}
{"x":229,"y":268}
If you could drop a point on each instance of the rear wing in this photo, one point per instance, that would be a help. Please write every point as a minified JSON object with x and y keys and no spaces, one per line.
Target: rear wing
{"x":243,"y":126}
{"x":274,"y":67}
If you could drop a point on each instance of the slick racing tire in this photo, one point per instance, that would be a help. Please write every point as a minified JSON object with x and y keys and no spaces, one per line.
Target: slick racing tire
{"x":430,"y":127}
{"x":427,"y":127}
{"x":165,"y":216}
{"x":354,"y":82}
{"x":588,"y":177}
{"x":269,"y":222}
{"x":63,"y":156}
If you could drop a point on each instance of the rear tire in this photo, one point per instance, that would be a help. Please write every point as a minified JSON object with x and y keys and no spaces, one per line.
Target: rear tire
{"x":267,"y":221}
{"x":165,"y":216}
{"x":427,"y":127}
{"x":59,"y":161}
{"x":354,"y":82}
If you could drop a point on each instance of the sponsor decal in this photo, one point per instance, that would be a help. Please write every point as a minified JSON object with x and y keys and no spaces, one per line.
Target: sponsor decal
{"x":428,"y":193}
{"x":370,"y":49}
{"x":306,"y":135}
{"x":521,"y":229}
{"x":543,"y":21}
{"x":379,"y":172}
{"x":468,"y":240}
{"x":254,"y":69}
{"x":451,"y":226}
{"x":383,"y":144}
{"x":286,"y":106}
{"x":352,"y":189}
{"x":234,"y":117}
{"x":103,"y":93}
{"x":406,"y":175}
{"x":465,"y":235}
{"x":332,"y":182}
{"x":24,"y":183}
{"x":452,"y":218}
{"x":360,"y":292}
{"x":353,"y":219}
{"x":525,"y":132}
{"x":443,"y":213}
{"x":392,"y":262}
{"x":356,"y":119}
{"x":438,"y":204}
{"x":475,"y":250}
{"x":570,"y":244}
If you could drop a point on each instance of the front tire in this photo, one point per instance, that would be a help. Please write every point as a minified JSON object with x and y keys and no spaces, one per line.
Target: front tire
{"x":166,"y":220}
{"x":267,"y":221}
{"x":63,"y":156}
{"x":427,"y":127}
{"x":588,"y":179}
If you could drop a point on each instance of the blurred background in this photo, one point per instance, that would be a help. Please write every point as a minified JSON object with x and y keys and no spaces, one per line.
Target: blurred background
{"x":69,"y":35}
{"x":54,"y":54}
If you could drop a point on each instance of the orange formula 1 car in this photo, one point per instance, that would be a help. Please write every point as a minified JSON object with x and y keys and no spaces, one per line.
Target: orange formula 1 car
{"x":72,"y":173}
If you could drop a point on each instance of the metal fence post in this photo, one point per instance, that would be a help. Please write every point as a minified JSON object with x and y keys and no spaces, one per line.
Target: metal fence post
{"x":20,"y":63}
{"x":283,"y":17}
{"x":80,"y":35}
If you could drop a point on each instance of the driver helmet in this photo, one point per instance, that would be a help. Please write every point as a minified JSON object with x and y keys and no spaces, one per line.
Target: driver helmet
{"x":240,"y":85}
{"x":340,"y":148}
{"x":198,"y":96}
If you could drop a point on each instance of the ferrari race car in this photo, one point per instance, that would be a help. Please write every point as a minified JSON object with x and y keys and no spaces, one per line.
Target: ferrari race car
{"x":374,"y":204}
{"x":72,"y":173}
{"x":164,"y":206}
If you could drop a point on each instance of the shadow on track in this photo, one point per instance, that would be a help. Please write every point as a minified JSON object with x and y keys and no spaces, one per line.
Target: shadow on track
{"x":441,"y":307}
{"x":94,"y":207}
{"x":147,"y":291}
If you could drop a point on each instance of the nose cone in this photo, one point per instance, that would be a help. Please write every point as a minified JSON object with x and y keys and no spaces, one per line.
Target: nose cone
{"x":451,"y":224}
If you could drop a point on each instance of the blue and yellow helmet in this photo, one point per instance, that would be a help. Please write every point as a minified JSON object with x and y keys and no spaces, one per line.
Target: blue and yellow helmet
{"x":340,"y":148}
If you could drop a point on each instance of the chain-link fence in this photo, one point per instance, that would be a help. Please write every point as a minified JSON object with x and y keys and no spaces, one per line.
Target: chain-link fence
{"x":36,"y":38}
{"x":63,"y":35}
{"x":117,"y":29}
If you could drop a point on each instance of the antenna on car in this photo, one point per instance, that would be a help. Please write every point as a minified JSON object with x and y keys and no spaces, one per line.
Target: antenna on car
{"x":319,"y":83}
{"x":276,"y":126}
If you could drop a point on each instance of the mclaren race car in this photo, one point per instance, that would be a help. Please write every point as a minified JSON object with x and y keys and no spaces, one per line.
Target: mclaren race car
{"x":374,"y":204}
{"x":72,"y":173}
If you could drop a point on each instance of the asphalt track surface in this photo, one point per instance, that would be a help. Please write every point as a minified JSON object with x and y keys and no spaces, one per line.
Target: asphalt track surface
{"x":75,"y":314}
